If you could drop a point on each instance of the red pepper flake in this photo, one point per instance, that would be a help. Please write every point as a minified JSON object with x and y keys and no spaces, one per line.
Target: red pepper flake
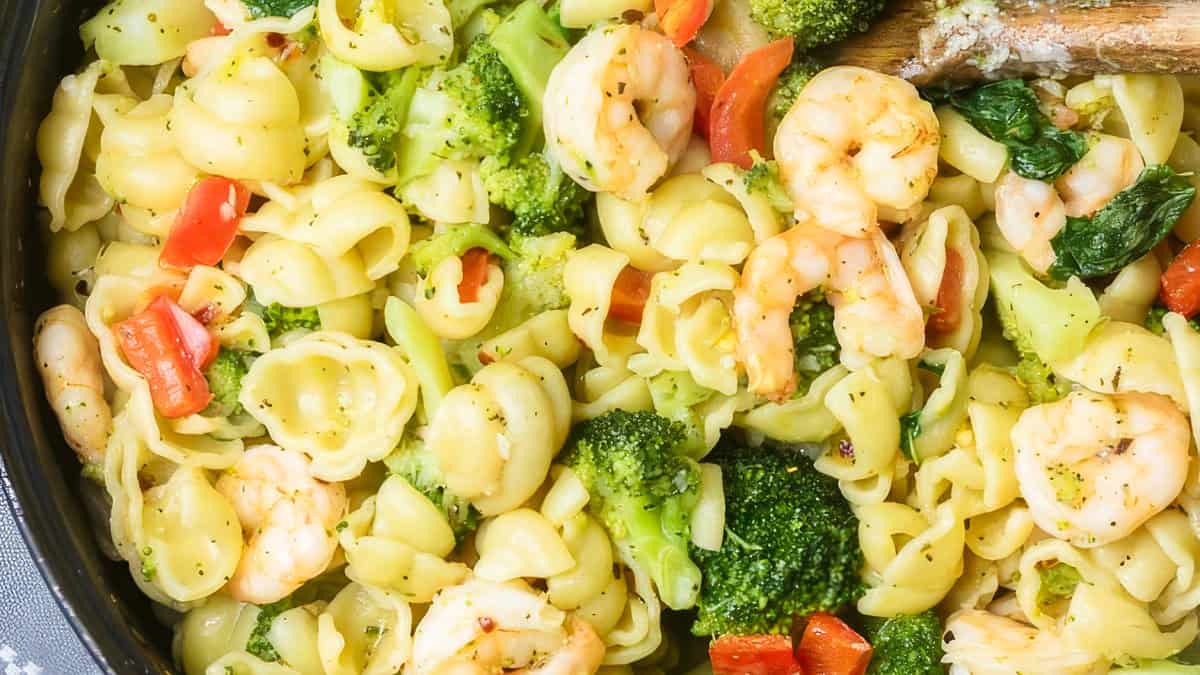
{"x":487,"y":623}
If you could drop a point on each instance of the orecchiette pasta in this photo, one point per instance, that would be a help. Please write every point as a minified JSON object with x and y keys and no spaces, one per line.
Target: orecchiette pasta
{"x":453,"y":193}
{"x":386,"y":34}
{"x":968,"y":150}
{"x":364,"y":630}
{"x":946,"y":247}
{"x":1121,"y":356}
{"x":138,"y":163}
{"x":521,"y":543}
{"x":801,"y":420}
{"x":1152,"y":109}
{"x":687,"y":325}
{"x":336,"y":216}
{"x":547,"y":335}
{"x":588,"y":278}
{"x":340,"y":400}
{"x":396,"y":541}
{"x":73,"y":197}
{"x":603,"y":389}
{"x":495,"y":437}
{"x":439,"y":303}
{"x":913,"y":577}
{"x":241,"y":120}
{"x":145,"y":32}
{"x":181,"y":538}
{"x":867,"y":409}
{"x":688,"y":217}
{"x":296,"y":275}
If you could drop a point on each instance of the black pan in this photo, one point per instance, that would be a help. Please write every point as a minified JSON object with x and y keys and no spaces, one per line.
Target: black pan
{"x":38,"y":474}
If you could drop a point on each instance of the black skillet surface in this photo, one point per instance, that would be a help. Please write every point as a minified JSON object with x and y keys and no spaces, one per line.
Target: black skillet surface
{"x":40,"y":477}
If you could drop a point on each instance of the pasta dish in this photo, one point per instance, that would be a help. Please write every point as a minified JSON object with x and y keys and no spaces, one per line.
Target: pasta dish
{"x":564,"y":337}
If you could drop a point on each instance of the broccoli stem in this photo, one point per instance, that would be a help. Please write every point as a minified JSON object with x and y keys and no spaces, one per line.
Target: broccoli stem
{"x":663,"y":553}
{"x":530,"y":44}
{"x":424,"y":352}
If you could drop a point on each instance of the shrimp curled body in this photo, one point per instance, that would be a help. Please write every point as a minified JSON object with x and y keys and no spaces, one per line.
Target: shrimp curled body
{"x":68,"y":358}
{"x":618,"y":110}
{"x":481,"y":627}
{"x":876,"y":313}
{"x":1094,"y":467}
{"x":289,"y":519}
{"x":981,"y":643}
{"x":856,"y":140}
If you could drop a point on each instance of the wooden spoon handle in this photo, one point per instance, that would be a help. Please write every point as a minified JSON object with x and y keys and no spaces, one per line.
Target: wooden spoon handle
{"x":1020,"y":37}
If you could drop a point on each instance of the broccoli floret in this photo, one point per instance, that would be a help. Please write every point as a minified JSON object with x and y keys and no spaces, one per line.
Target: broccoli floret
{"x":791,"y":545}
{"x":261,"y":8}
{"x":530,"y":43}
{"x":258,"y":643}
{"x":533,"y":279}
{"x":280,"y":319}
{"x":643,"y":491}
{"x":763,"y":178}
{"x":814,"y":339}
{"x":372,"y":108}
{"x":1058,"y":581}
{"x":1042,"y":385}
{"x":789,"y":85}
{"x":909,"y":644}
{"x":675,"y":395}
{"x":813,"y":23}
{"x":224,"y":377}
{"x":428,"y":253}
{"x":415,"y":462}
{"x":542,"y":198}
{"x":1154,"y":317}
{"x":471,"y":111}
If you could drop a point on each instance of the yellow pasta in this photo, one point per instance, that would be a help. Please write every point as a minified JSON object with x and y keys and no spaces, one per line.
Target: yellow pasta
{"x":495,"y":437}
{"x":341,"y":401}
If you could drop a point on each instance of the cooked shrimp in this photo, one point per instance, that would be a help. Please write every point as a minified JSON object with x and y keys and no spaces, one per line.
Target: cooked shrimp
{"x":1111,"y":165}
{"x":856,"y":140}
{"x":1094,"y":467}
{"x":981,"y":643}
{"x":619,"y":110}
{"x":288,"y":518}
{"x":482,"y":628}
{"x":875,"y":310}
{"x":68,"y":358}
{"x":1029,"y":213}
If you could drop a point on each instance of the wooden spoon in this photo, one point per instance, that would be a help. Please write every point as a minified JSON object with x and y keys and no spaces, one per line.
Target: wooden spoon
{"x":1029,"y":37}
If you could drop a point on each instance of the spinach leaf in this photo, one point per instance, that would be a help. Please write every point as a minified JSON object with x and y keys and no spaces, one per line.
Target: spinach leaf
{"x":258,"y":643}
{"x":910,"y":428}
{"x":1007,"y":112}
{"x":285,"y":8}
{"x":1125,"y":229}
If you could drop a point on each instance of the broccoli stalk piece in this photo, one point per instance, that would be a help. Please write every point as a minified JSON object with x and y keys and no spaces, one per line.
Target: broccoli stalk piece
{"x":428,"y":253}
{"x":791,"y":545}
{"x":415,"y":462}
{"x":814,"y":23}
{"x":643,"y":492}
{"x":813,"y":338}
{"x":675,"y":396}
{"x":224,"y":377}
{"x":530,"y":43}
{"x":909,"y":644}
{"x":542,"y":199}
